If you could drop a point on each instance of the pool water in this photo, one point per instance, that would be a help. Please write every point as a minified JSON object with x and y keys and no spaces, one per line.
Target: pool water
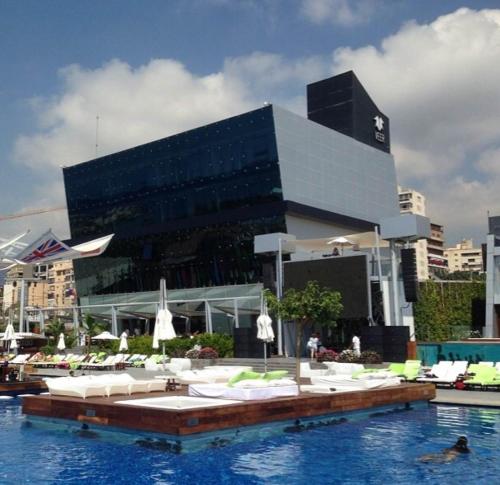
{"x":378,"y":450}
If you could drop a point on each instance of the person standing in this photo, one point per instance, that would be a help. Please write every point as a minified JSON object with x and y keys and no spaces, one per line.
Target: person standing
{"x":312,"y":345}
{"x":356,"y":345}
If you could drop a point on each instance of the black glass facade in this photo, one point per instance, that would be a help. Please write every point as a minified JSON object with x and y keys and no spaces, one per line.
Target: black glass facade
{"x":186,"y":207}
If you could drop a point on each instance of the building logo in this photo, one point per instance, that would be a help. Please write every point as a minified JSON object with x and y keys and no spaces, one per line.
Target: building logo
{"x":379,"y":128}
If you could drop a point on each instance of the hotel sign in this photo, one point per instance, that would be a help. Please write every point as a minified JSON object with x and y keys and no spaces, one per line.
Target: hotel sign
{"x":379,"y":129}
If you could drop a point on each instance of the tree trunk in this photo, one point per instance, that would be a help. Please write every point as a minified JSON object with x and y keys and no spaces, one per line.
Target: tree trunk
{"x":298,"y":349}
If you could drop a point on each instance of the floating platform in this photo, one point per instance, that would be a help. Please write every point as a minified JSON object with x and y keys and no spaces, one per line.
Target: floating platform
{"x":176,"y":422}
{"x":22,"y":387}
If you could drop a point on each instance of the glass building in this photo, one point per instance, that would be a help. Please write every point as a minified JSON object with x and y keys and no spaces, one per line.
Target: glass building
{"x":187,"y":207}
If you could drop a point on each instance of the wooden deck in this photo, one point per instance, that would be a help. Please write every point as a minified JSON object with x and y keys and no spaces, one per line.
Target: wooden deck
{"x":106,"y":412}
{"x":15,"y":388}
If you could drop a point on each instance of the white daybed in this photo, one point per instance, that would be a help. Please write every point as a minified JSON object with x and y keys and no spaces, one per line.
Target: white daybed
{"x":210,"y":375}
{"x":103,"y":385}
{"x":363,"y":382}
{"x":247,"y":390}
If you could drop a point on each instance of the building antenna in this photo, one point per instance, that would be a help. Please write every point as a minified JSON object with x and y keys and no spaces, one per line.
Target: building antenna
{"x":96,"y":135}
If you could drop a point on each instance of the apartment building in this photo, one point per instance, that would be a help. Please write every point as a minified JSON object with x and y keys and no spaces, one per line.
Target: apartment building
{"x":49,"y":285}
{"x":464,"y":257}
{"x":435,"y":249}
{"x":413,"y":202}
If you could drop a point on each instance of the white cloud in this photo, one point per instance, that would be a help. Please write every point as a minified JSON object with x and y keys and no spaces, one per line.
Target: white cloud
{"x":341,"y":12}
{"x":438,"y":83}
{"x":133,"y":105}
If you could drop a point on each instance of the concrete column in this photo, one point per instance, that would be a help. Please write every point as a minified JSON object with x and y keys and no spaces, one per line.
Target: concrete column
{"x":396,"y":310}
{"x":490,"y":318}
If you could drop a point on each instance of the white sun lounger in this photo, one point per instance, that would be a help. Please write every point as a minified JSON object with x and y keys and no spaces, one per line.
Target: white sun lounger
{"x":363,"y":382}
{"x":459,"y":367}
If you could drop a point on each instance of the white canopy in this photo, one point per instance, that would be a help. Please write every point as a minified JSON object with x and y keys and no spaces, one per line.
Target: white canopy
{"x":105,"y":336}
{"x":49,"y":247}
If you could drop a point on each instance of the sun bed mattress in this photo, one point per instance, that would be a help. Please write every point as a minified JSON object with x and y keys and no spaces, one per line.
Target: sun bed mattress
{"x":242,"y":394}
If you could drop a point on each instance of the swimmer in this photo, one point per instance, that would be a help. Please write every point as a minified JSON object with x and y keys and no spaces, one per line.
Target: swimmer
{"x":448,"y":454}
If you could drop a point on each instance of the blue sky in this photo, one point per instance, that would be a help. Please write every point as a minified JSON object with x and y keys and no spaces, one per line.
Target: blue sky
{"x":428,"y":65}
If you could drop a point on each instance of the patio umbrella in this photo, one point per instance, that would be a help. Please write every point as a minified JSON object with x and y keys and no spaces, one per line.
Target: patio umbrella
{"x":61,"y":345}
{"x":9,"y":333}
{"x":105,"y":336}
{"x":164,"y":330}
{"x":123,"y":342}
{"x":340,"y":241}
{"x":13,"y":344}
{"x":264,"y":328}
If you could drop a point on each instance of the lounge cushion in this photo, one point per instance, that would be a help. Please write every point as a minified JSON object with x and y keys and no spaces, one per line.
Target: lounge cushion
{"x":274,"y":374}
{"x":246,"y":374}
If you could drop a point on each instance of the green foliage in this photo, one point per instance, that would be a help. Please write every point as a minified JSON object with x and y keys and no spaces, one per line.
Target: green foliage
{"x":223,"y":344}
{"x":176,"y":347}
{"x":312,"y":305}
{"x":459,"y":275}
{"x":93,"y":327}
{"x":443,"y":311}
{"x":53,"y":330}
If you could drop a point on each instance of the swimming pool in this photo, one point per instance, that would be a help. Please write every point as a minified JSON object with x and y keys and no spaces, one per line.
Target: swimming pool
{"x":382,"y":449}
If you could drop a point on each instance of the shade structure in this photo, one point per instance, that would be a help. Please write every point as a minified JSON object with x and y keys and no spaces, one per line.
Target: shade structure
{"x":265,"y":330}
{"x":164,"y":329}
{"x":105,"y":336}
{"x":61,"y":344}
{"x":13,"y":344}
{"x":123,"y":342}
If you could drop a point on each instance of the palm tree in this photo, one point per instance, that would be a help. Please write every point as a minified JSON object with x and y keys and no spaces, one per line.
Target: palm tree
{"x":92,"y":328}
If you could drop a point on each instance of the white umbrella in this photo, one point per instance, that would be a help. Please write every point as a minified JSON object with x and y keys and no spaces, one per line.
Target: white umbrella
{"x":164,"y":330}
{"x":265,"y":330}
{"x":61,"y":345}
{"x":123,"y":342}
{"x":340,"y":241}
{"x":13,"y":344}
{"x":105,"y":336}
{"x":9,"y":334}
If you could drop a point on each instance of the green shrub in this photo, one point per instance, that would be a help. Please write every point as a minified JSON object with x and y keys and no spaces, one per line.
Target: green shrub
{"x":221,"y":343}
{"x":177,"y":347}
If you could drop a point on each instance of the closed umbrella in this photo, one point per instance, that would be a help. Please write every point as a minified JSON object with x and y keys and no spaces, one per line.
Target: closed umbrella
{"x":9,"y":333}
{"x":164,"y":329}
{"x":123,"y":342}
{"x":13,"y":344}
{"x":265,"y":330}
{"x":61,"y":345}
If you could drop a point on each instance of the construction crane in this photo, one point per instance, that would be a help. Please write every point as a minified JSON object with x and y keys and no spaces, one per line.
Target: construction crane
{"x":32,"y":212}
